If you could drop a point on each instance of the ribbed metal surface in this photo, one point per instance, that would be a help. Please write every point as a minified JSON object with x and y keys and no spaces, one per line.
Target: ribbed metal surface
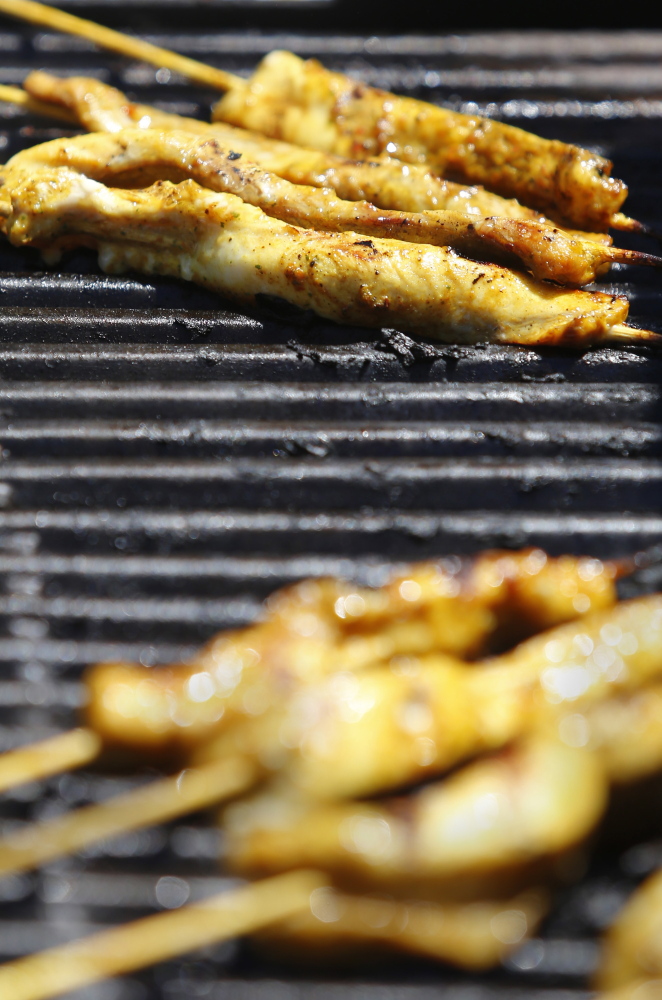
{"x":167,"y":461}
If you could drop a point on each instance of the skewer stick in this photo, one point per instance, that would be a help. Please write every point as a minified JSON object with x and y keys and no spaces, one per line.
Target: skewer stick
{"x":125,"y":45}
{"x":153,"y":803}
{"x":15,"y":95}
{"x":621,"y":332}
{"x":627,"y":225}
{"x":158,"y":938}
{"x":48,"y":757}
{"x":136,"y":48}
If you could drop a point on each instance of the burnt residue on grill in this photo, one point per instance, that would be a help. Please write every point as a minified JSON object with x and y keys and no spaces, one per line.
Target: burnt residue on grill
{"x":166,"y":461}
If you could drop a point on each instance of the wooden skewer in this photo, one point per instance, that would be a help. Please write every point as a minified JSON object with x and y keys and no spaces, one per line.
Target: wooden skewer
{"x":15,"y":95}
{"x":125,"y":45}
{"x":210,"y":76}
{"x":156,"y":802}
{"x":155,"y":939}
{"x":41,"y":760}
{"x":622,"y":333}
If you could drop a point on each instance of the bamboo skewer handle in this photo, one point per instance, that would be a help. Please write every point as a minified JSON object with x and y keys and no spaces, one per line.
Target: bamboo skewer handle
{"x":144,"y":806}
{"x":48,"y":757}
{"x":158,"y":938}
{"x":15,"y":95}
{"x":125,"y":45}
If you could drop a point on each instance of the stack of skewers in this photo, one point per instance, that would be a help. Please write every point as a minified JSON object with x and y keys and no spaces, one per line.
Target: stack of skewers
{"x":362,"y":206}
{"x":417,"y":766}
{"x":394,"y":780}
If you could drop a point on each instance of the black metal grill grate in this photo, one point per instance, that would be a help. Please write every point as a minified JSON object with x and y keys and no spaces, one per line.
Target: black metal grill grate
{"x":166,"y":462}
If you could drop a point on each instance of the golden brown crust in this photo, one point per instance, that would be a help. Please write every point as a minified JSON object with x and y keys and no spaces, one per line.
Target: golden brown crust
{"x":460,"y":610}
{"x":304,"y":103}
{"x":385,"y":182}
{"x":233,"y":248}
{"x":136,"y":157}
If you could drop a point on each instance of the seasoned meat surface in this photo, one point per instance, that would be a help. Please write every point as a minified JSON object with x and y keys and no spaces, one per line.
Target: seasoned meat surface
{"x":224,"y":244}
{"x":142,"y":155}
{"x":304,"y":103}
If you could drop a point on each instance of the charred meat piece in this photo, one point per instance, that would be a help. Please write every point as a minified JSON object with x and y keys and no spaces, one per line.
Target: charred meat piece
{"x":235,"y":249}
{"x":320,"y":627}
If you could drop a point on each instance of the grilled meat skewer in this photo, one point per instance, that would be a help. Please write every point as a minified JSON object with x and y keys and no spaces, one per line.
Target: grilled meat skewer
{"x":320,"y":627}
{"x":304,"y":103}
{"x":633,"y":944}
{"x":329,"y":111}
{"x":626,"y":734}
{"x":466,"y":836}
{"x":307,"y":104}
{"x":469,"y":935}
{"x":637,"y":989}
{"x":352,"y":735}
{"x":144,"y":154}
{"x":235,"y":249}
{"x":385,"y":182}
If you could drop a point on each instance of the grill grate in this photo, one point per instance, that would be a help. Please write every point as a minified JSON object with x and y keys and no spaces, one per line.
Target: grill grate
{"x":167,"y":461}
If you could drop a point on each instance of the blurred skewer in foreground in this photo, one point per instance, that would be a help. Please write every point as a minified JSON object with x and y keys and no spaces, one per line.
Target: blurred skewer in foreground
{"x":158,"y":938}
{"x":467,"y":605}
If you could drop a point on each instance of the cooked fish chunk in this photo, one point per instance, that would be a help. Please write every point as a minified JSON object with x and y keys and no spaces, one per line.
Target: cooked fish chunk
{"x":304,"y":103}
{"x":144,"y":153}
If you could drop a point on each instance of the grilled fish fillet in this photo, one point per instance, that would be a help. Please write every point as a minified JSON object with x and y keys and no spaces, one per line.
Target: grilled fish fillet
{"x":143,"y":155}
{"x":304,"y":103}
{"x":385,"y":182}
{"x":235,"y":249}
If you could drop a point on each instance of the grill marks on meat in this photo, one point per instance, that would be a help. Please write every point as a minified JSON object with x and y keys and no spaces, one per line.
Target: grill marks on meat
{"x":141,"y":154}
{"x":302,"y":102}
{"x":235,"y":249}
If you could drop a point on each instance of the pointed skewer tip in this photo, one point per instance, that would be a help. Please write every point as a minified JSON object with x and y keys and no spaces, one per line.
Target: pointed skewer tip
{"x":627,"y":225}
{"x":622,"y":333}
{"x":636,"y":258}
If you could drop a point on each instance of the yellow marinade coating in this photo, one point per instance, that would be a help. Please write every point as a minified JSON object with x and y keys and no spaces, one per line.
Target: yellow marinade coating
{"x":304,"y":103}
{"x":633,"y":944}
{"x":232,"y":248}
{"x":319,"y":627}
{"x":137,"y":157}
{"x":340,"y":926}
{"x":488,"y":821}
{"x":385,"y":182}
